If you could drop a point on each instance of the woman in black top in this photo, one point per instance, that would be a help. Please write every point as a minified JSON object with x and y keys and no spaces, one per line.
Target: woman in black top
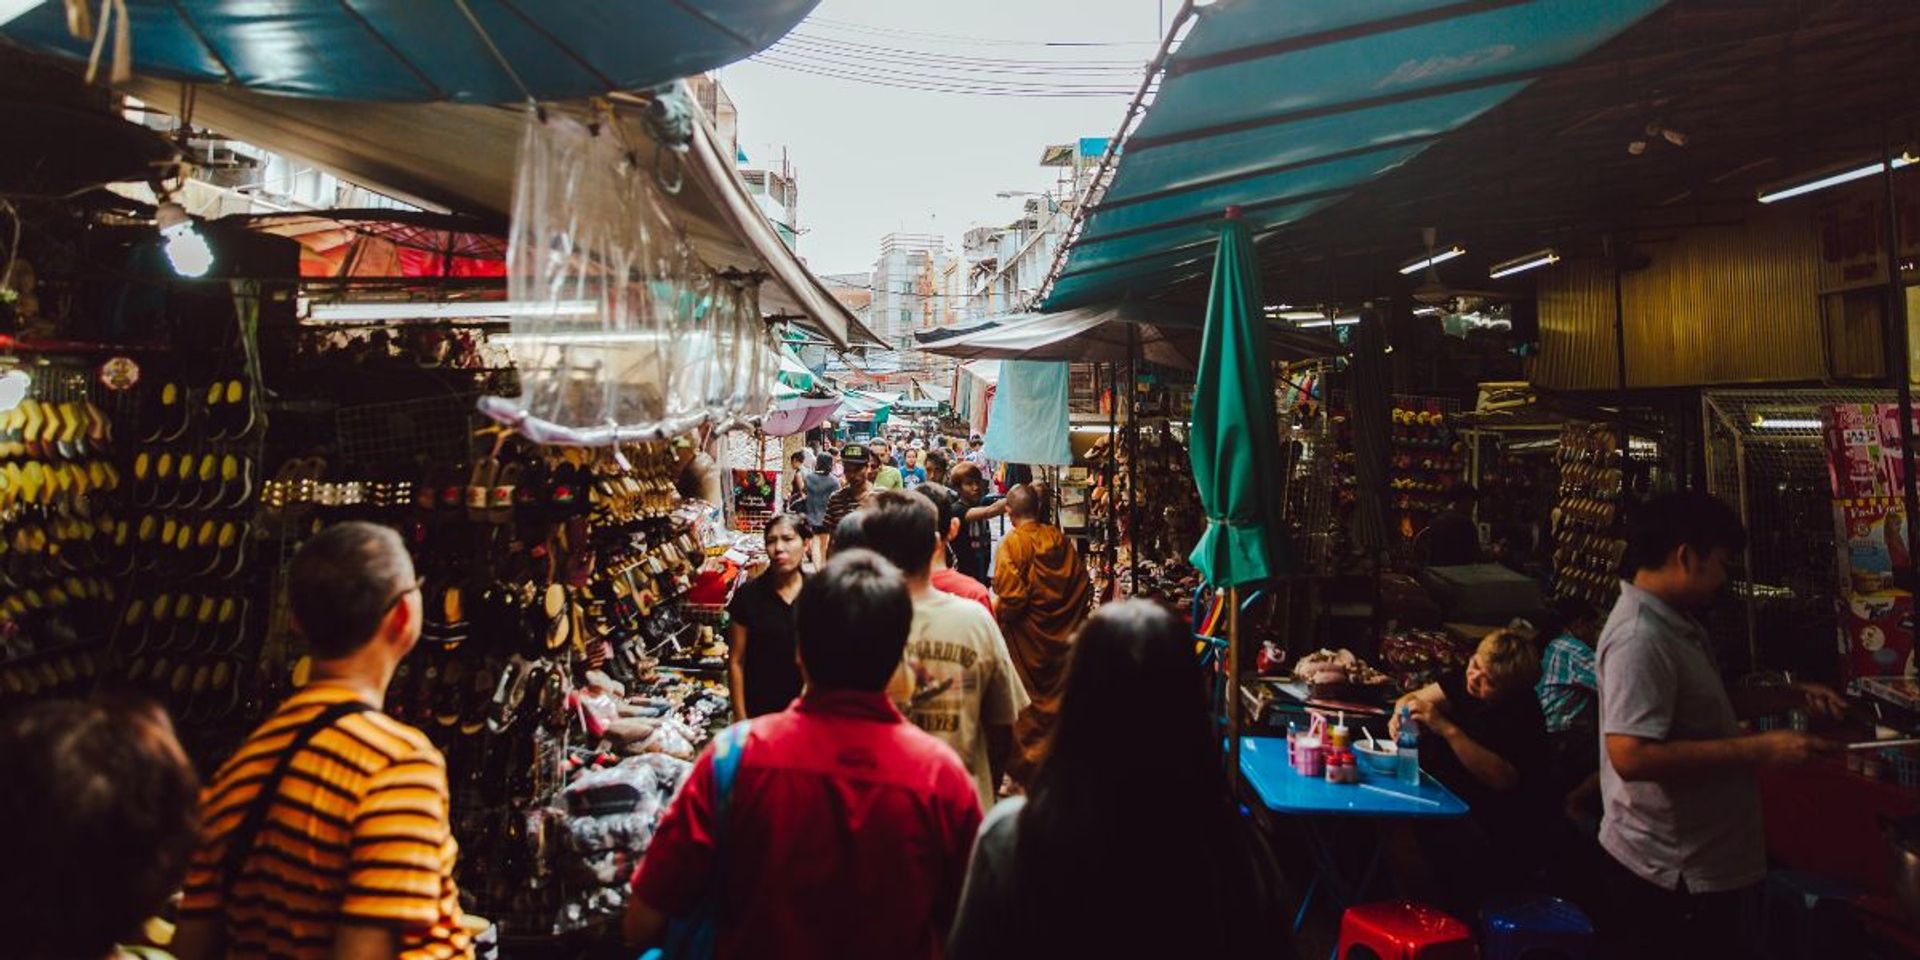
{"x":764,"y":675}
{"x":1129,"y":843}
{"x":1482,"y":734}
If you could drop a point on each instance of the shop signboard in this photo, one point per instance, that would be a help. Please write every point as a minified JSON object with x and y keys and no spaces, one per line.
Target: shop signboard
{"x":1871,"y":536}
{"x":1863,"y":449}
{"x":1876,"y":634}
{"x":1871,"y":542}
{"x":753,"y":498}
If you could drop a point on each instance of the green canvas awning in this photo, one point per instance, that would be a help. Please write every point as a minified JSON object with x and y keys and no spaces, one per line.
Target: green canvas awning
{"x":1282,"y":107}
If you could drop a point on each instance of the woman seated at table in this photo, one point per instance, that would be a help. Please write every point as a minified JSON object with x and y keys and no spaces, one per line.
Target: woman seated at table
{"x":1483,"y":735}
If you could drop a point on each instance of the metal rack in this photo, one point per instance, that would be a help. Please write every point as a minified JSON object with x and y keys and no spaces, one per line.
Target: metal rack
{"x":436,"y":429}
{"x":1776,"y":477}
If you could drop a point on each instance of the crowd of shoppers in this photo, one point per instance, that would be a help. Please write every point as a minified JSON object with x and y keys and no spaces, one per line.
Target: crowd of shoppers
{"x":840,"y":818}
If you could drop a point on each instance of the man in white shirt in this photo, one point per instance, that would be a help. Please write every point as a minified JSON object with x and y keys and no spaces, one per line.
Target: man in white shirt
{"x":1682,"y":807}
{"x":967,"y":692}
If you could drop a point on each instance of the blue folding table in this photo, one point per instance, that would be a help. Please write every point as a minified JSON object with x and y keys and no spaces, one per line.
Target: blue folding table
{"x":1263,"y":762}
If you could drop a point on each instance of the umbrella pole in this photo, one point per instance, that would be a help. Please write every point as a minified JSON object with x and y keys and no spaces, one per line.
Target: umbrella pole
{"x":1113,"y":477}
{"x":1233,"y":690}
{"x":1133,"y":457}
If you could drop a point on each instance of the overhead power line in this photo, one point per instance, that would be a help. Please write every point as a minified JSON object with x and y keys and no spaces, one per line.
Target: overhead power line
{"x":971,"y":76}
{"x":923,"y":82}
{"x":941,"y":56}
{"x":852,"y":27}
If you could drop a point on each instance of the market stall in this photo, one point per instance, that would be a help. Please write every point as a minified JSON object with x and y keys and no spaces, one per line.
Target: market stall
{"x":183,"y":408}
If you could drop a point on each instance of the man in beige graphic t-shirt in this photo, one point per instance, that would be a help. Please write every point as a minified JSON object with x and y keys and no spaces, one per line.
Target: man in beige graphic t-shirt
{"x":966,"y":691}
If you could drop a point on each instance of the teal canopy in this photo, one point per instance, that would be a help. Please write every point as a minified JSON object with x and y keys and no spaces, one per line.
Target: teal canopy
{"x":425,"y":50}
{"x":1283,"y":107}
{"x":1234,"y":444}
{"x":793,"y":373}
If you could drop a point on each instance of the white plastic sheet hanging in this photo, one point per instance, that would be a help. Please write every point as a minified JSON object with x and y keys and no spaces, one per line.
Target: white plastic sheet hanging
{"x":622,"y":332}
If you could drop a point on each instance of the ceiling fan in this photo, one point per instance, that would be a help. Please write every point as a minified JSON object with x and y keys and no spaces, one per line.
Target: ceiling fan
{"x":1434,"y":293}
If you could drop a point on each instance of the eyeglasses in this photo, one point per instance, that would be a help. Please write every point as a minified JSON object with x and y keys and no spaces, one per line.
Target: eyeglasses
{"x":418,"y":583}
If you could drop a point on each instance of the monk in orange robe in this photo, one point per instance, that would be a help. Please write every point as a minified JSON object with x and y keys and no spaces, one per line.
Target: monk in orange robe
{"x":1041,"y":592}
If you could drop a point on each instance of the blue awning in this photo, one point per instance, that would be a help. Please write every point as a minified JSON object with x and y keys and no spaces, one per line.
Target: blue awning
{"x":427,"y":50}
{"x":1283,"y":107}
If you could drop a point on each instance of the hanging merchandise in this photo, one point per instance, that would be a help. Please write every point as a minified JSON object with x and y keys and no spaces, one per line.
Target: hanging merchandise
{"x":619,"y":331}
{"x":1588,"y":525}
{"x":1157,"y":509}
{"x":60,"y":494}
{"x":1028,"y":422}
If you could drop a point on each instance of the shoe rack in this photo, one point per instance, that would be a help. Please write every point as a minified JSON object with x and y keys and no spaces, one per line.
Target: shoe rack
{"x":190,"y":629}
{"x":61,"y":492}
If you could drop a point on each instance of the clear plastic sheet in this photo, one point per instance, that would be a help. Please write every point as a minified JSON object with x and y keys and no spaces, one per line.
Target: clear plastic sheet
{"x":621,"y":332}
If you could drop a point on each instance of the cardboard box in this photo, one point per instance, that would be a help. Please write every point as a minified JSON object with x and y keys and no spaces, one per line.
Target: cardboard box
{"x":1876,"y":634}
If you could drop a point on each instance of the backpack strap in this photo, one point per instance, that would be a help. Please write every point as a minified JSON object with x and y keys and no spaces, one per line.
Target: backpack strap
{"x":727,"y":749}
{"x":245,"y":837}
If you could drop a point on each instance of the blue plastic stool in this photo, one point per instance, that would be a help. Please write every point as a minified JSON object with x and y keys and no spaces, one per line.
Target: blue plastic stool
{"x":1536,"y":929}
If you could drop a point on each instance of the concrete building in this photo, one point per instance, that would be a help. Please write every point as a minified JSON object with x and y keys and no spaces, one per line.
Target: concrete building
{"x":1009,"y":264}
{"x":777,"y":191}
{"x":900,"y":284}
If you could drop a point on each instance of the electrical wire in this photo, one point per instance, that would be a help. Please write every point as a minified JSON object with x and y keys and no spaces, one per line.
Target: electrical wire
{"x":853,"y":27}
{"x":959,"y":69}
{"x":960,"y":72}
{"x":960,"y":76}
{"x":932,"y":85}
{"x":799,"y":37}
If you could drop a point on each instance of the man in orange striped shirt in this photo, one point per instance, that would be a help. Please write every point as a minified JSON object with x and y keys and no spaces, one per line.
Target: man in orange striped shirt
{"x":325,"y":836}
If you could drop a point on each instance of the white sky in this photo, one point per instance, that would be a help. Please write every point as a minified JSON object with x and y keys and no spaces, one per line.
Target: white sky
{"x":873,"y":159}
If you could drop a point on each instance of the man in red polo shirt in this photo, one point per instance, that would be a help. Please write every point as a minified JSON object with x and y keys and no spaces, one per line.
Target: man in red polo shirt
{"x":847,"y":829}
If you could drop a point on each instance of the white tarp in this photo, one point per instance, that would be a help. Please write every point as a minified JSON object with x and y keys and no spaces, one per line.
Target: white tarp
{"x":460,"y":157}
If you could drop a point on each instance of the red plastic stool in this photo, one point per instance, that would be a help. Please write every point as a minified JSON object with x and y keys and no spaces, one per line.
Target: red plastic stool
{"x":1399,"y":930}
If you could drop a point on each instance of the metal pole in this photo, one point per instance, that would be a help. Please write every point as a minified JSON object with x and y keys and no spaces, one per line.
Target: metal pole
{"x":1902,"y":360}
{"x":1113,"y":476}
{"x":1619,"y":326}
{"x":1133,"y":457}
{"x":1233,"y":689}
{"x":1746,"y":559}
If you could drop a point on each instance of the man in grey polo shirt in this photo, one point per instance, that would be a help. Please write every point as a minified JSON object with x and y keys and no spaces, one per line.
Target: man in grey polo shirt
{"x":1682,"y":809}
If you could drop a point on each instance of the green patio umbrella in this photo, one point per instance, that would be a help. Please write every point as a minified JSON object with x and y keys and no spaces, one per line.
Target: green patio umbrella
{"x":1235,"y":440}
{"x":1234,"y":448}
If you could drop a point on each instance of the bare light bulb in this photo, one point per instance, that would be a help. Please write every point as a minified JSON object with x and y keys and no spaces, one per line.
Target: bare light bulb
{"x":186,"y":249}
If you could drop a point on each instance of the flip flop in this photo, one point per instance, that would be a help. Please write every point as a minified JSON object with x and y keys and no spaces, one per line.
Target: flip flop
{"x":502,"y":497}
{"x":479,"y":492}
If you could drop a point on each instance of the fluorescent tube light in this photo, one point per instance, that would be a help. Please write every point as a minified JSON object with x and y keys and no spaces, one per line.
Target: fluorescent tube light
{"x":1852,"y":172}
{"x":470,"y":310}
{"x":1521,"y":264}
{"x":1330,"y":322}
{"x":1428,"y":311}
{"x":1785,"y":423}
{"x":1421,"y":263}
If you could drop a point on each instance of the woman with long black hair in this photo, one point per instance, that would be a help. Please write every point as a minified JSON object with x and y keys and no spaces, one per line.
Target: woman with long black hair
{"x":761,"y":667}
{"x":1129,"y":842}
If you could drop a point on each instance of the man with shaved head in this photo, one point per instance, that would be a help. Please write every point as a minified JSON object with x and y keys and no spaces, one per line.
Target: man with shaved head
{"x":1041,"y":593}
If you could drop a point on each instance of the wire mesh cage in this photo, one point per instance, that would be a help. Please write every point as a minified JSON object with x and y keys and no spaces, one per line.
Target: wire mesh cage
{"x":431,"y":430}
{"x":1765,"y":455}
